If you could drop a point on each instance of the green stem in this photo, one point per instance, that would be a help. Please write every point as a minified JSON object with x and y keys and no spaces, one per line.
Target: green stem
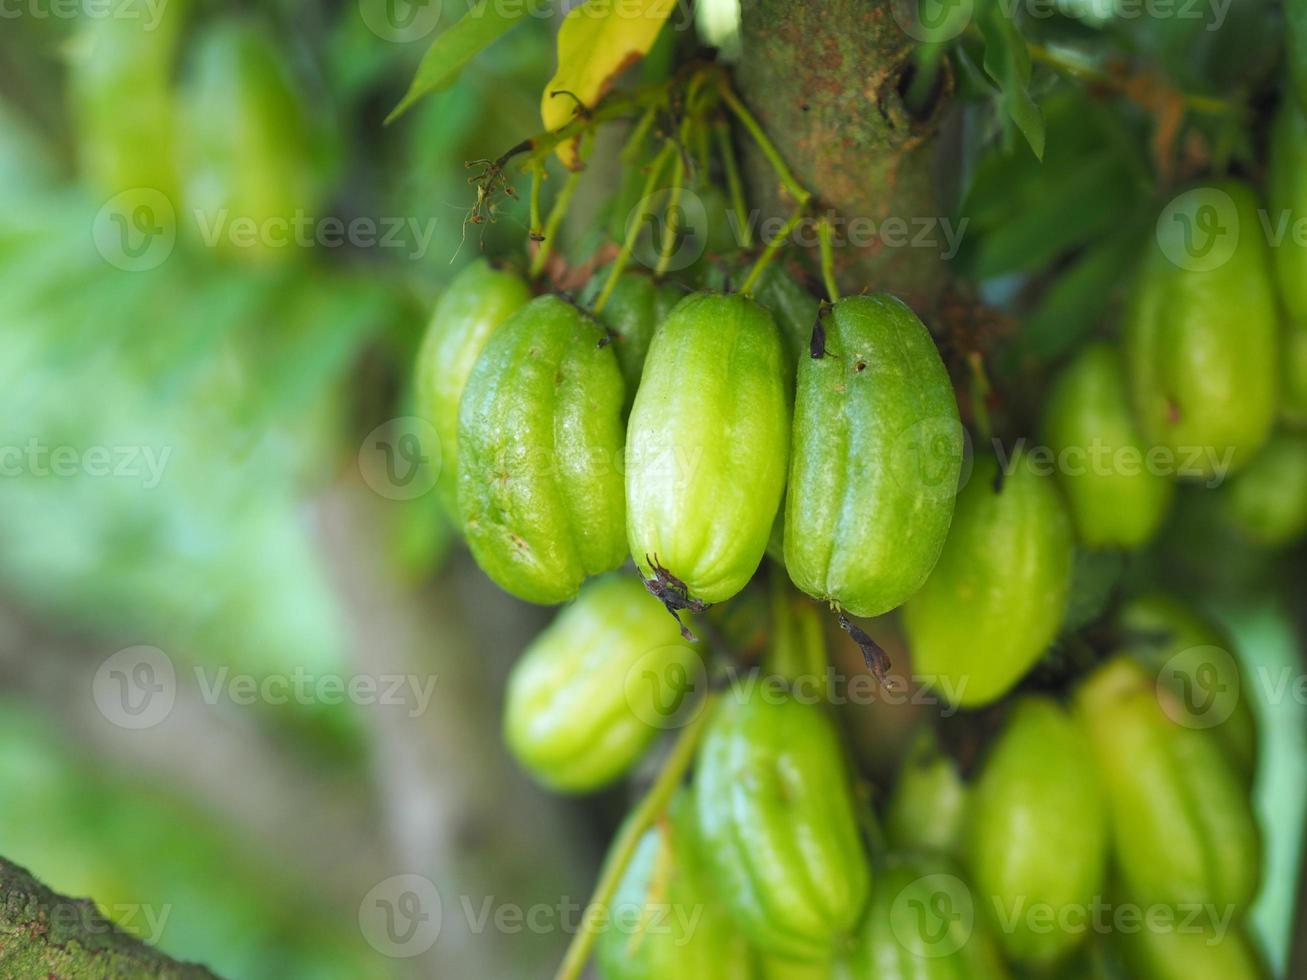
{"x":559,"y":209}
{"x":537,"y":178}
{"x":734,"y":185}
{"x":827,"y":259}
{"x":980,"y":392}
{"x":633,"y":229}
{"x":672,"y":225}
{"x":649,"y":809}
{"x":769,"y":253}
{"x":796,"y":190}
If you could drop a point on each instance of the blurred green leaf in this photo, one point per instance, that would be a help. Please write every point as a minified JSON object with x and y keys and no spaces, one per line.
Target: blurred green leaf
{"x":1007,"y":62}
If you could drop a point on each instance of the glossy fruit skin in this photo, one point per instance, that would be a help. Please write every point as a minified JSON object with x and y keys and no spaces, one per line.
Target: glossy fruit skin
{"x":579,"y":712}
{"x":778,"y":819}
{"x":539,"y":444}
{"x":1286,"y":199}
{"x":708,"y":445}
{"x":1186,"y":954}
{"x":999,"y":591}
{"x":875,"y":461}
{"x":237,"y":82}
{"x":1114,"y":500}
{"x":633,"y":311}
{"x":1183,"y":830}
{"x":478,"y":300}
{"x":1293,"y":394}
{"x":927,"y":807}
{"x":1267,"y":499}
{"x":1037,"y":828}
{"x":1202,"y":347}
{"x":1195,"y":659}
{"x":668,"y":920}
{"x":924,"y":923}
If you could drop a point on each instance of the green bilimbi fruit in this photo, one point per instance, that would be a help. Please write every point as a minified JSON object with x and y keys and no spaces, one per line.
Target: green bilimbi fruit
{"x":247,"y":190}
{"x":1267,"y":499}
{"x":1036,"y":836}
{"x":1115,"y":501}
{"x":774,"y":968}
{"x":471,"y":308}
{"x":665,"y":919}
{"x":1293,"y":396}
{"x":1286,"y":199}
{"x":1202,"y":335}
{"x":594,"y":688}
{"x":924,"y":923}
{"x":779,"y":821}
{"x":928,"y":805}
{"x":707,"y":445}
{"x":539,"y":453}
{"x":875,"y":461}
{"x":1194,"y":659}
{"x":1178,"y":952}
{"x":997,"y":596}
{"x":633,"y":311}
{"x":1182,"y":825}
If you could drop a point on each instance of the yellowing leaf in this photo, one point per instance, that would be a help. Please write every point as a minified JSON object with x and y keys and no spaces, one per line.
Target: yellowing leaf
{"x":596,"y":42}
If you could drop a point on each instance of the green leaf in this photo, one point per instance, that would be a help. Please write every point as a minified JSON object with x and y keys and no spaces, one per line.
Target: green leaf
{"x":1007,"y":62}
{"x":455,"y":47}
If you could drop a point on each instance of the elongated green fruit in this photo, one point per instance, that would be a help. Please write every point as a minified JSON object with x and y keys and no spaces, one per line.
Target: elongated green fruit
{"x":927,"y":807}
{"x":1268,"y":498}
{"x":471,"y":308}
{"x":874,"y":466}
{"x":1195,"y":660}
{"x":594,"y":689}
{"x":1202,"y":334}
{"x":1182,"y":825}
{"x":1286,"y":200}
{"x":997,"y":596}
{"x":1179,"y":950}
{"x":924,"y":923}
{"x":1293,"y":397}
{"x":778,"y":820}
{"x":539,"y":444}
{"x":1037,"y":830}
{"x":1113,"y":496}
{"x":665,"y":920}
{"x":708,"y":445}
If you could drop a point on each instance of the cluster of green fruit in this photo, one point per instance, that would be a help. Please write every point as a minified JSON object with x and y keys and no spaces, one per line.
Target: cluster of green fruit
{"x":702,"y":431}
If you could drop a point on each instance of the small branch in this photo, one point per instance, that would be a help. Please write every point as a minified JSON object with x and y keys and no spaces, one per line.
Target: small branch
{"x":769,"y":253}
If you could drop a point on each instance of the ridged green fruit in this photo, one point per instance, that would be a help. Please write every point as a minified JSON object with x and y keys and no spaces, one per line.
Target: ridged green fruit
{"x":597,"y":685}
{"x":875,"y":461}
{"x":1286,"y":201}
{"x":1182,"y":825}
{"x":665,"y":920}
{"x":633,"y":312}
{"x":779,"y":823}
{"x":928,"y":805}
{"x":708,"y":445}
{"x":997,"y":596}
{"x":924,"y":923}
{"x":1175,"y":953}
{"x":1267,"y":499}
{"x":247,"y":191}
{"x":1195,"y":660}
{"x":1293,"y":396}
{"x":1113,"y":496}
{"x":1037,"y":833}
{"x":478,"y":300}
{"x":1202,"y":334}
{"x":539,"y":453}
